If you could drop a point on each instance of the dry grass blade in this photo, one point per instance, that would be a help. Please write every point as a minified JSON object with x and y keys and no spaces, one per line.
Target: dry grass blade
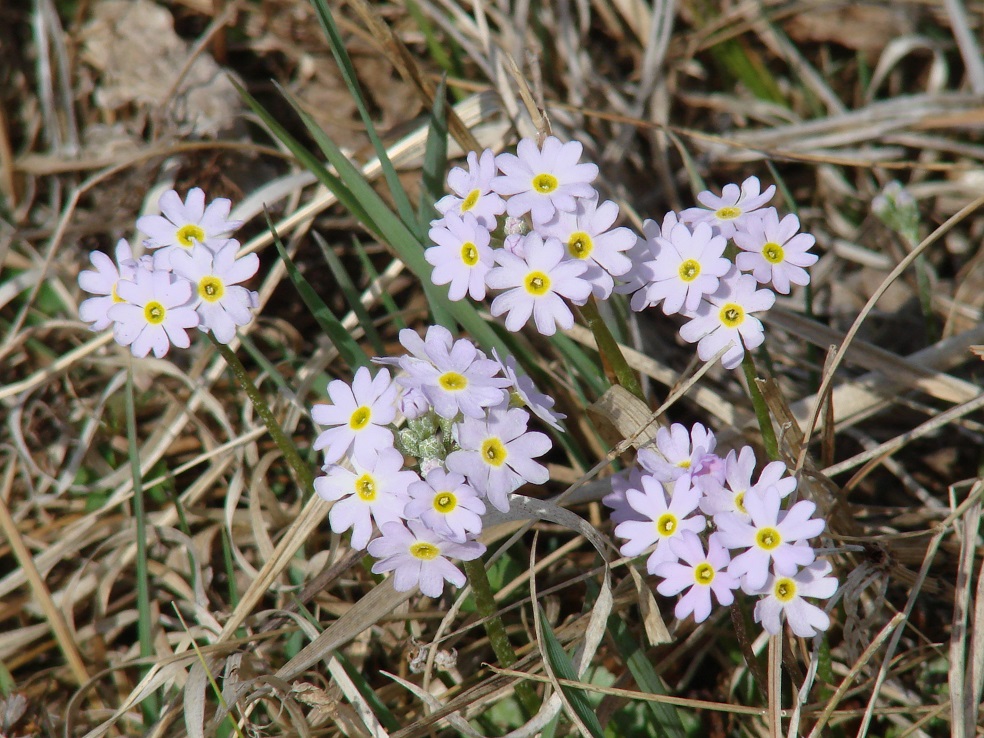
{"x":963,"y":710}
{"x":51,"y":613}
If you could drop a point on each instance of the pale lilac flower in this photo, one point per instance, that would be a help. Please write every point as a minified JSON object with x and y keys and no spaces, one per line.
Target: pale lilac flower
{"x":643,"y":256}
{"x":473,"y":193}
{"x":446,"y":505}
{"x":589,"y":237}
{"x":774,"y":251}
{"x":733,"y":209}
{"x":359,"y":414}
{"x":515,"y":243}
{"x":784,"y":598}
{"x":154,"y":313}
{"x":536,"y":285}
{"x":729,"y":497}
{"x":616,"y":499}
{"x":374,"y":491}
{"x":462,"y":256}
{"x":770,"y":537}
{"x":679,"y":452}
{"x":522,"y":386}
{"x":700,"y":574}
{"x":496,"y":454}
{"x":418,"y":557}
{"x":542,"y":181}
{"x":453,"y":375}
{"x":185,"y":224}
{"x":663,"y":520}
{"x":688,"y":267}
{"x":221,"y":303}
{"x":726,"y":318}
{"x":102,"y":282}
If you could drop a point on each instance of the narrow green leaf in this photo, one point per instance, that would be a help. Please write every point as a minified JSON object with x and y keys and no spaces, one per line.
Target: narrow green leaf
{"x":338,"y":50}
{"x":351,"y":293}
{"x":407,"y":245}
{"x":379,"y":708}
{"x":392,"y":310}
{"x":349,"y":350}
{"x":435,"y":161}
{"x":145,"y":626}
{"x":563,"y":667}
{"x":665,"y":716}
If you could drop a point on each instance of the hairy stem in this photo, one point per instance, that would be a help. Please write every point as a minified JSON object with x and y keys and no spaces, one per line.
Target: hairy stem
{"x":761,"y":410}
{"x":478,"y":578}
{"x":302,"y":471}
{"x":611,"y":354}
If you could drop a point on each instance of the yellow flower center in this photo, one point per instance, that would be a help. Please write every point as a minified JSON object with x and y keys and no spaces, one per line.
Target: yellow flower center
{"x":667,"y":524}
{"x":211,"y":289}
{"x":704,"y":574}
{"x":580,"y":245}
{"x":740,"y":503}
{"x":116,"y":295}
{"x":469,"y":254}
{"x":768,"y":538}
{"x":537,"y":283}
{"x":728,"y":213}
{"x":425,"y":551}
{"x":784,"y":589}
{"x":732,"y":315}
{"x":365,"y":487}
{"x":469,"y":202}
{"x":685,"y":464}
{"x":360,"y":418}
{"x":545,"y":183}
{"x":453,"y":382}
{"x":773,"y":252}
{"x":690,"y":270}
{"x":494,"y":452}
{"x":188,"y":234}
{"x":154,"y":312}
{"x":445,"y":502}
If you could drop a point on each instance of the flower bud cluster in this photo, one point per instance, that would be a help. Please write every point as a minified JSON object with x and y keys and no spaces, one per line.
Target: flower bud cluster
{"x":467,"y":438}
{"x":713,"y":531}
{"x":191,"y":280}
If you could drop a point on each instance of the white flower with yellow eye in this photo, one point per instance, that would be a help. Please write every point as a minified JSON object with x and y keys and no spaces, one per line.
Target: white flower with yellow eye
{"x":221,"y":303}
{"x":182,"y":225}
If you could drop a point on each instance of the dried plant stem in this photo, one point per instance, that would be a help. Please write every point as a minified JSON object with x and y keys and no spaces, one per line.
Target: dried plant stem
{"x":150,"y":706}
{"x":302,"y":471}
{"x":485,"y":604}
{"x":611,"y":354}
{"x":761,"y":409}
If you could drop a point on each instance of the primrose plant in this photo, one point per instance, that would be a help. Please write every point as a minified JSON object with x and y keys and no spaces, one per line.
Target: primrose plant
{"x":708,"y":529}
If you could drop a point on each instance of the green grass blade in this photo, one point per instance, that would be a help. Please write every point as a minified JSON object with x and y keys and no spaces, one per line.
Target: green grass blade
{"x":349,"y":350}
{"x":665,"y":716}
{"x":389,"y":304}
{"x":563,"y":667}
{"x":352,"y":295}
{"x":330,"y":28}
{"x":435,"y":161}
{"x":145,"y":633}
{"x":310,"y":162}
{"x":405,"y":242}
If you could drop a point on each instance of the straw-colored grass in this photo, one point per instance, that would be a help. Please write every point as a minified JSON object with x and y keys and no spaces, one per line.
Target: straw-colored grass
{"x":258,"y":610}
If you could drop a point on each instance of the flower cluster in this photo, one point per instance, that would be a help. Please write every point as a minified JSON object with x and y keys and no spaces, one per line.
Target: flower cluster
{"x":682,"y":489}
{"x":467,"y":432}
{"x":559,"y":243}
{"x":192,"y":279}
{"x":681,"y":264}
